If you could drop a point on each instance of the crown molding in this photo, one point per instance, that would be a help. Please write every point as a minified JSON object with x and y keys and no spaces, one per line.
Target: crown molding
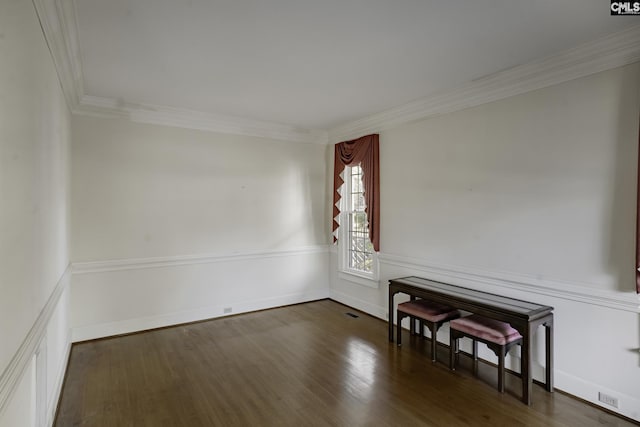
{"x":58,"y":19}
{"x":59,"y":25}
{"x":616,"y":50}
{"x":96,"y":106}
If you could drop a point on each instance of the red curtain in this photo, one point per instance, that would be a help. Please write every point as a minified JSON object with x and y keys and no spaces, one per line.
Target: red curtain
{"x":364,"y":151}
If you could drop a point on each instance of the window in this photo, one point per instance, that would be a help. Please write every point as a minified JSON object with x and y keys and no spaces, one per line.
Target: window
{"x":357,"y":253}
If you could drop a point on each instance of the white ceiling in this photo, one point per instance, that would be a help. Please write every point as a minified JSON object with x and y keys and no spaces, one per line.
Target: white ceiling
{"x":317,"y":64}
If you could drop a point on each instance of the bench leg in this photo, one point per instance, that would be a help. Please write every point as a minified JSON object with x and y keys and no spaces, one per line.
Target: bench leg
{"x":501,"y":357}
{"x":452,"y":350}
{"x":399,"y":317}
{"x":474,"y":354}
{"x":434,"y":340}
{"x":412,"y":325}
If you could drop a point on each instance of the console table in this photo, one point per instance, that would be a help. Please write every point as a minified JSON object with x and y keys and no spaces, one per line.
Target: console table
{"x":524,"y":316}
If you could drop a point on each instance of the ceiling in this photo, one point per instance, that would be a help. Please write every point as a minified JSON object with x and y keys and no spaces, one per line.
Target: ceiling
{"x":316,"y":64}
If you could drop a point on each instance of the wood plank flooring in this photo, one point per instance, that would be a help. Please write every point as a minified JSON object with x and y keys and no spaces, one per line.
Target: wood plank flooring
{"x":303,"y":365}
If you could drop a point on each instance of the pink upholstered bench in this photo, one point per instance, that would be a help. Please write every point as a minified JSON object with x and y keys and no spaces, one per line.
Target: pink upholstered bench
{"x":500,"y":337}
{"x":427,"y":312}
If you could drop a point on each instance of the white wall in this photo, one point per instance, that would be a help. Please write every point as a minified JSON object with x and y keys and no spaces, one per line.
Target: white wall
{"x":34,"y":182}
{"x":533,"y":197}
{"x":175,"y":225}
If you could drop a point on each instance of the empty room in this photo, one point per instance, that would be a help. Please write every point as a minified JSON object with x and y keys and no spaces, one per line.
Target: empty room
{"x":322,"y":213}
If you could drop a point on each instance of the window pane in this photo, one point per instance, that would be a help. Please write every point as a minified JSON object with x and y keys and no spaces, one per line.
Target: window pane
{"x":358,"y":222}
{"x":353,"y":261}
{"x":369,"y":245}
{"x":355,"y":184}
{"x":357,"y":202}
{"x":368,"y":262}
{"x":359,"y":244}
{"x":359,"y":254}
{"x":352,"y":242}
{"x":354,"y":201}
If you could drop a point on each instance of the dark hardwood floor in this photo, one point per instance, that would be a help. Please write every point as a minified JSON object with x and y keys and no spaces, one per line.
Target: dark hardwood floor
{"x":302,"y":365}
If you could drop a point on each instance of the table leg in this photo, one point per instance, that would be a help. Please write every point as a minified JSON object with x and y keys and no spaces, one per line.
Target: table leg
{"x":525,"y":365}
{"x":412,"y":324}
{"x":391,"y":294}
{"x":548,"y":328}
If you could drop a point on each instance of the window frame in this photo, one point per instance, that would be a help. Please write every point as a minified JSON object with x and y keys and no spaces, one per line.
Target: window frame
{"x":346,"y":272}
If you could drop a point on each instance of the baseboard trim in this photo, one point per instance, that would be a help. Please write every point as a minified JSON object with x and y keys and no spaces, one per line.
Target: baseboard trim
{"x":176,"y":260}
{"x":16,"y":368}
{"x":364,"y":306}
{"x":629,"y":406}
{"x":497,"y":281}
{"x":103,"y":330}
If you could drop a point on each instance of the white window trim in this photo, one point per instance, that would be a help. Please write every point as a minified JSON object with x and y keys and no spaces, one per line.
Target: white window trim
{"x":345,"y":273}
{"x":350,"y":276}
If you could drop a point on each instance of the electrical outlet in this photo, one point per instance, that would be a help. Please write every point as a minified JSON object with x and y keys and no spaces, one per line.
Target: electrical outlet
{"x":227,"y":310}
{"x":609,"y":400}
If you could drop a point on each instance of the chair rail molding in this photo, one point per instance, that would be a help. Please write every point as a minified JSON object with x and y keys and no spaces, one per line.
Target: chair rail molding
{"x":176,"y":260}
{"x":495,"y":281}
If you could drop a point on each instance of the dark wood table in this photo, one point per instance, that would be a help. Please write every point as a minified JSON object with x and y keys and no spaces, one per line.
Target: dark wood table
{"x":524,"y":316}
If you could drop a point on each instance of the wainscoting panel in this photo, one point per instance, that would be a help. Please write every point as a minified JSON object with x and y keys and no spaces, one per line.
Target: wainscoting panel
{"x":30,"y":385}
{"x":123,"y":296}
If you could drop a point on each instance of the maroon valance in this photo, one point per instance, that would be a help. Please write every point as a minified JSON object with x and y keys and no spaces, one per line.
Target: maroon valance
{"x":365,"y":152}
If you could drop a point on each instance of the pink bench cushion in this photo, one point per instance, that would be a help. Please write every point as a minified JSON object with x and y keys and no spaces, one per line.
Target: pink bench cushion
{"x":427,"y":310}
{"x":489,"y":329}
